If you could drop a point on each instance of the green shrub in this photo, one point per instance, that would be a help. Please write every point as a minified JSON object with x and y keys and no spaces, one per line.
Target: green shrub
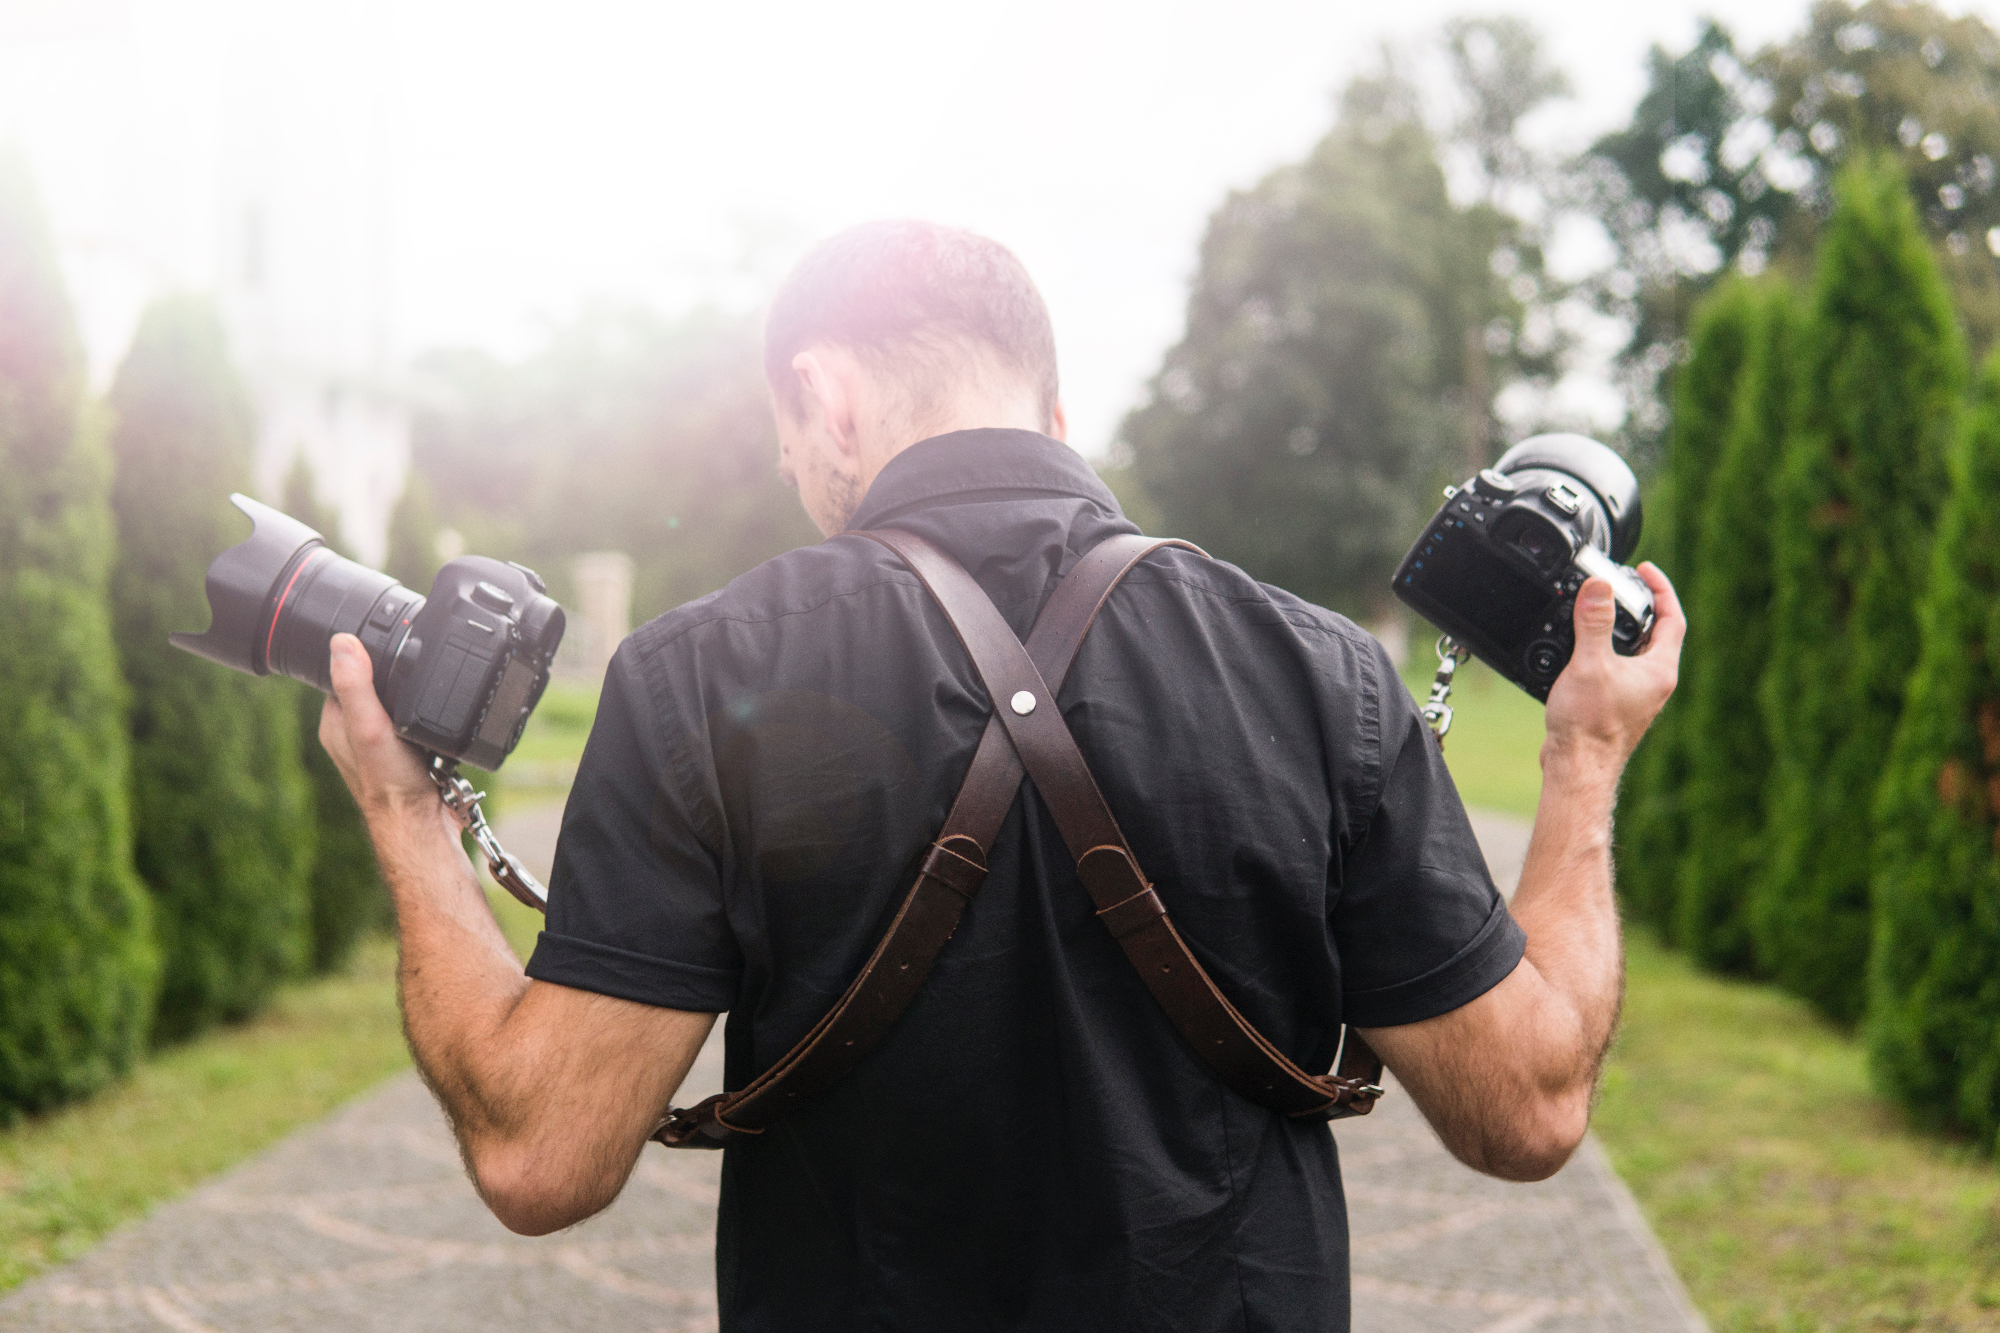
{"x":1727,"y":751}
{"x":348,"y":899}
{"x":1881,"y":366}
{"x":222,"y":817}
{"x":1651,"y":824}
{"x":1934,"y":1011}
{"x":77,"y":965}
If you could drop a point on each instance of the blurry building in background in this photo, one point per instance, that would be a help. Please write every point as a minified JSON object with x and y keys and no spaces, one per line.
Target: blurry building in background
{"x":273,"y":190}
{"x":306,"y":278}
{"x":602,"y":616}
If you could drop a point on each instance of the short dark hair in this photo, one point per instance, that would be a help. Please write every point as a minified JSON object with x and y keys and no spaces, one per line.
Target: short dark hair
{"x":907,"y":296}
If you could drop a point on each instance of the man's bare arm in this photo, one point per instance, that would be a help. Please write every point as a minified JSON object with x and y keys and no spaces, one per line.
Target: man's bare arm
{"x":551,"y":1091}
{"x":1507,"y":1079}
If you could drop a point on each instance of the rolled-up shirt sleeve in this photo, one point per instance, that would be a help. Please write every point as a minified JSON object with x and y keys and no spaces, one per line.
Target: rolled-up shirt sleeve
{"x":1418,"y":923}
{"x":636,"y":904}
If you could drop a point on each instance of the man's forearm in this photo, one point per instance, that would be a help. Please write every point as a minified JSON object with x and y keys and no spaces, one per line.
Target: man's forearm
{"x":1565,"y":904}
{"x":458,"y":979}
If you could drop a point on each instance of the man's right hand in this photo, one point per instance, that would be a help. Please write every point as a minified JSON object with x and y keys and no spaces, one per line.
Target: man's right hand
{"x":1603,"y":702}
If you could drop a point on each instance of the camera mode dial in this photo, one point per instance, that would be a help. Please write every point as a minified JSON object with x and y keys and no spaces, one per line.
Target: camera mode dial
{"x":492,"y":598}
{"x":1494,"y":485}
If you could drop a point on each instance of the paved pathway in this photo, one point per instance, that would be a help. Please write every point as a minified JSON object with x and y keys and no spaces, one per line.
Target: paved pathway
{"x":365,"y":1222}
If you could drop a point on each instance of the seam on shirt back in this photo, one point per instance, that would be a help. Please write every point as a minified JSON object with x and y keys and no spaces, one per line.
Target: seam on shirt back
{"x":1350,"y":634}
{"x":1235,"y":1198}
{"x":909,"y":582}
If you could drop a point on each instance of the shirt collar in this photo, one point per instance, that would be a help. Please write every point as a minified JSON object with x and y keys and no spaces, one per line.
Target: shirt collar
{"x":988,"y":460}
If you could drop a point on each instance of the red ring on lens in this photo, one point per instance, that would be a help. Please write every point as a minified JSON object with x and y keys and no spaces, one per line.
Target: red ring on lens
{"x":271,"y":636}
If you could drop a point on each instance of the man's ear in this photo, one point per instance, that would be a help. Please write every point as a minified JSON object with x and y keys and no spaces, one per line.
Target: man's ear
{"x":1059,"y":424}
{"x":827,"y":396}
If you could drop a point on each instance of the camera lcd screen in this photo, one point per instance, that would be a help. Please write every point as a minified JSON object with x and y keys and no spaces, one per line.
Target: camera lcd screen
{"x":509,"y":697}
{"x":1502,"y":605}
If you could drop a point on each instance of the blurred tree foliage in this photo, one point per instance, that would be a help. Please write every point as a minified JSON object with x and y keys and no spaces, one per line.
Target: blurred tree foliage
{"x":1347,"y":323}
{"x":1934,"y":1020}
{"x":347,"y":895}
{"x":222,"y":814}
{"x":1720,"y":721}
{"x":77,"y":965}
{"x":1729,"y":162}
{"x":1881,"y":368}
{"x":626,"y":432}
{"x":1652,"y":828}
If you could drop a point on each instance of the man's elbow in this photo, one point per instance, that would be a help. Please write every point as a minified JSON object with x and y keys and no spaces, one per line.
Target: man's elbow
{"x":533,"y":1195}
{"x":1540,"y":1141}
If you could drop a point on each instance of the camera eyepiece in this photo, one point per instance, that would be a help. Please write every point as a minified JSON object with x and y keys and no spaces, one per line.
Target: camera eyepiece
{"x":459,"y":671}
{"x":1580,"y":476}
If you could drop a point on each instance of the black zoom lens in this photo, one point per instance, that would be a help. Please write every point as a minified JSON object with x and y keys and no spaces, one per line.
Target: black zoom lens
{"x":278,"y":598}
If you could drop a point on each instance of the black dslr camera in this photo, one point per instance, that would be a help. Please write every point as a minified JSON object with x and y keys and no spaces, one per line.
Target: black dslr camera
{"x":1499,"y":566}
{"x":458,"y":671}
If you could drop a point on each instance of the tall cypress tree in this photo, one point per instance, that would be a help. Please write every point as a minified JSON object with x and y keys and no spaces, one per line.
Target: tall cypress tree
{"x":1934,"y":1011}
{"x":347,"y":895}
{"x":1881,"y":366}
{"x":1652,"y":832}
{"x":222,"y":814}
{"x":1728,"y":752}
{"x":77,"y":964}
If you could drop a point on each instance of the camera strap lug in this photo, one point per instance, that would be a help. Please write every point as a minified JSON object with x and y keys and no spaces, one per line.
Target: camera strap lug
{"x":1436,"y":711}
{"x":463,"y":801}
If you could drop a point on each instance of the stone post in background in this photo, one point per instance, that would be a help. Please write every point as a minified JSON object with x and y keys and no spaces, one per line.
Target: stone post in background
{"x":602,"y":617}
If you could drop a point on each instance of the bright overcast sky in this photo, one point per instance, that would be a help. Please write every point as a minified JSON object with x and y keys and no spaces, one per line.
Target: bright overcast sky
{"x":527,"y":158}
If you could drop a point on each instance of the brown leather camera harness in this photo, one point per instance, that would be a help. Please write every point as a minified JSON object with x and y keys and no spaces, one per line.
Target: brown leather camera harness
{"x":1026,"y":734}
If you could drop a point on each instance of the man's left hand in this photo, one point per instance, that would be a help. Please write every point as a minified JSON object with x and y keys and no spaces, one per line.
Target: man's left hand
{"x":384,"y":772}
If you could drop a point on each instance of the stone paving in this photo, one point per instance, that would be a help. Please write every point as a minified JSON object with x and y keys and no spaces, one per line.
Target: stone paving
{"x":366,"y":1222}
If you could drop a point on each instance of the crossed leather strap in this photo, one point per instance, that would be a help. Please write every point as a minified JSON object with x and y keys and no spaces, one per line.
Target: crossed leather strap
{"x":1027,"y":734}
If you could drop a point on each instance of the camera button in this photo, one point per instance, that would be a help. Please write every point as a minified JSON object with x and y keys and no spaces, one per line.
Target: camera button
{"x":492,"y":598}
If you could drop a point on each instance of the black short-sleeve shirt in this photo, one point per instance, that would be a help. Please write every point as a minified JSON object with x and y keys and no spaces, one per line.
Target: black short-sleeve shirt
{"x":1032,"y":1146}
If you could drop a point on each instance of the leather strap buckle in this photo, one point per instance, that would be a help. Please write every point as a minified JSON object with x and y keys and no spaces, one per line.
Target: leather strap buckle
{"x":700,"y":1126}
{"x":1351,"y":1097}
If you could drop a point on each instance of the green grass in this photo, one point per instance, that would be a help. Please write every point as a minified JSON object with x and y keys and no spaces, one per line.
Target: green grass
{"x":1788,"y":1195}
{"x":1495,"y":745}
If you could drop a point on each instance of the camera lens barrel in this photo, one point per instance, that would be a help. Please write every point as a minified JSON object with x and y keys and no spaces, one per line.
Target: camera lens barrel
{"x":323,"y":594}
